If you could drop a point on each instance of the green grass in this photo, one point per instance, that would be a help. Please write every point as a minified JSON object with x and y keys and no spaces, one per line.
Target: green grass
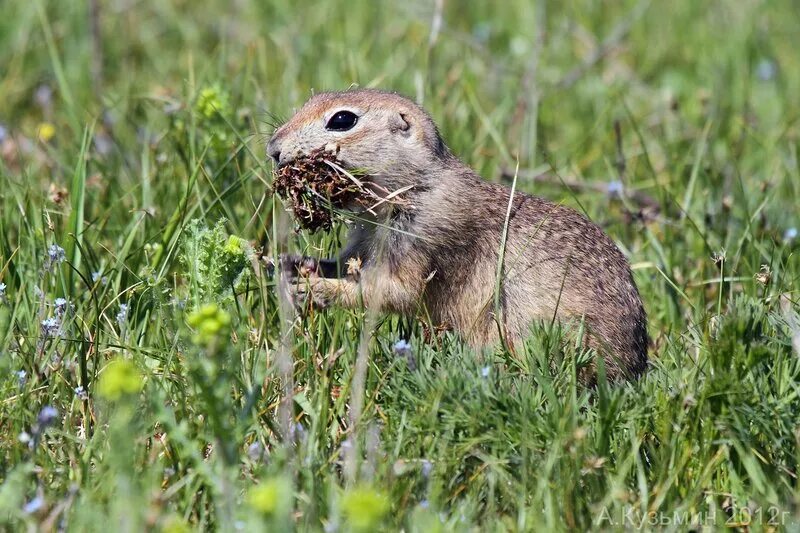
{"x":201,"y":408}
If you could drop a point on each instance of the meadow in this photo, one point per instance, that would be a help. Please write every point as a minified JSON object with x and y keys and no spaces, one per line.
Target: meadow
{"x":152,"y":379}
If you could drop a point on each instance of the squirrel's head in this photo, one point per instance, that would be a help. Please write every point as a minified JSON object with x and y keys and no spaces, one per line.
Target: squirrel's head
{"x":386,"y":135}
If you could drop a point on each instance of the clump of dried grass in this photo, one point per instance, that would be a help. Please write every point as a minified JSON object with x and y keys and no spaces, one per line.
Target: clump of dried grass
{"x":316,"y":185}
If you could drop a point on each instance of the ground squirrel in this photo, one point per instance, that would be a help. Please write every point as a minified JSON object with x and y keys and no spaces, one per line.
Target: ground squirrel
{"x":436,"y":254}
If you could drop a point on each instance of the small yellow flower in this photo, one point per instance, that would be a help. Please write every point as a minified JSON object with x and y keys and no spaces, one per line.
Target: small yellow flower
{"x":119,"y":377}
{"x":212,"y":100}
{"x":45,"y":132}
{"x":270,"y":497}
{"x":235,"y":245}
{"x":210,"y":323}
{"x":364,"y":508}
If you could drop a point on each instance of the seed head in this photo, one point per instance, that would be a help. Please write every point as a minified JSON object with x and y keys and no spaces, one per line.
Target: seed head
{"x":764,"y":275}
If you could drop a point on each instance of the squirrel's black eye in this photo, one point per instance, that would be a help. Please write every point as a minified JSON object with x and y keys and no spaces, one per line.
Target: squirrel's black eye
{"x":342,"y":121}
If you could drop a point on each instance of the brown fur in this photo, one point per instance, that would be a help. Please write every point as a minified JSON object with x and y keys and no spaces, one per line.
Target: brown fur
{"x":439,"y":254}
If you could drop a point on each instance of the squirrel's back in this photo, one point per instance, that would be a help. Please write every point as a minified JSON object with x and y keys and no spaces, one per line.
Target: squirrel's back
{"x":557,"y":264}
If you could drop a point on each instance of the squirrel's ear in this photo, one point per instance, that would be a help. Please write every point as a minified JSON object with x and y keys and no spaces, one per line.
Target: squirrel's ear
{"x":398,"y":122}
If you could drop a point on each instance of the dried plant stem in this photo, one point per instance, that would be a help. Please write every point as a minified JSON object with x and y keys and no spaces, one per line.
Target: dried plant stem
{"x":357,"y":390}
{"x":96,"y":46}
{"x":284,"y":358}
{"x":650,"y":205}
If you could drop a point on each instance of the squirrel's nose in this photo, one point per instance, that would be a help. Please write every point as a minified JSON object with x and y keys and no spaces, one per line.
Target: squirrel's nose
{"x":274,"y":151}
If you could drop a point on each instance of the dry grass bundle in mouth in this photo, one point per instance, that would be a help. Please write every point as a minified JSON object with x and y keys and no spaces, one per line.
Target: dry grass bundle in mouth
{"x":315,"y":185}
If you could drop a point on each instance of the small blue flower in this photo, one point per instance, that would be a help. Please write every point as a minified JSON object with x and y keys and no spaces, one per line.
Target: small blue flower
{"x":103,"y":143}
{"x":43,"y":96}
{"x":614,"y":188}
{"x":22,"y":378}
{"x":255,"y":451}
{"x":297,"y":430}
{"x":122,"y":315}
{"x":427,"y":467}
{"x":2,"y":290}
{"x":766,"y":70}
{"x":51,"y":327}
{"x":56,"y":254}
{"x":485,"y":371}
{"x":99,"y":276}
{"x":34,"y":505}
{"x":61,"y":306}
{"x":47,"y":416}
{"x":402,"y":347}
{"x":790,"y":234}
{"x":81,"y":393}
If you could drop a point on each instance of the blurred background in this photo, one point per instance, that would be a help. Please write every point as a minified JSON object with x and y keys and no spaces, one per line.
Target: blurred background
{"x":536,"y":80}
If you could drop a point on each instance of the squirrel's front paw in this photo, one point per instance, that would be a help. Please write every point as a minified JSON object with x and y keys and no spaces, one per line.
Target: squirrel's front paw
{"x":294,"y":266}
{"x":308,"y":293}
{"x":302,"y":282}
